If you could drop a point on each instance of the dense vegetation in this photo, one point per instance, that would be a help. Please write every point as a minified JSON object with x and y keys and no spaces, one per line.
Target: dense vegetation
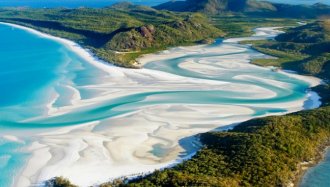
{"x":242,"y":25}
{"x":120,"y":33}
{"x":250,"y":7}
{"x":59,"y":182}
{"x":217,"y":6}
{"x":305,"y":49}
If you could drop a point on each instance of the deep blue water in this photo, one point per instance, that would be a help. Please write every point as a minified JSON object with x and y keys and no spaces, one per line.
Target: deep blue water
{"x":104,"y":3}
{"x":319,"y":175}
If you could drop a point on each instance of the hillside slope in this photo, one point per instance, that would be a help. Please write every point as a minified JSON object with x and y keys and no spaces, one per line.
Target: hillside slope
{"x":216,"y":6}
{"x":309,"y":42}
{"x":120,"y":33}
{"x":305,"y":49}
{"x":250,"y":7}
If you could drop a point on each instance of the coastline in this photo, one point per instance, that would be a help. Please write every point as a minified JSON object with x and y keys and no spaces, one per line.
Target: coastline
{"x":86,"y":55}
{"x":303,"y":167}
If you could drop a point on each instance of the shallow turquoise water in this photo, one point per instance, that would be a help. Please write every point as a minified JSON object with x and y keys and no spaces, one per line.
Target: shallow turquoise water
{"x":30,"y":67}
{"x":25,"y":65}
{"x":319,"y":175}
{"x":33,"y":70}
{"x":12,"y":157}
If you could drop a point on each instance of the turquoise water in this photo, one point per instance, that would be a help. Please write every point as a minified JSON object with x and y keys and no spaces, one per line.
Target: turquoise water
{"x":35,"y":71}
{"x":12,"y":157}
{"x":31,"y":69}
{"x":319,"y":175}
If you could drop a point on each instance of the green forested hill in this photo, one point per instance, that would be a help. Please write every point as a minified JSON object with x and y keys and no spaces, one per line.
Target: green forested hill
{"x":250,"y":7}
{"x":217,"y":6}
{"x":305,"y":49}
{"x":311,"y":33}
{"x":120,"y":28}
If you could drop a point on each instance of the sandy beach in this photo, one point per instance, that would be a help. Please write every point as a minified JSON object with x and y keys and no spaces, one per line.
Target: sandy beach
{"x":150,"y":133}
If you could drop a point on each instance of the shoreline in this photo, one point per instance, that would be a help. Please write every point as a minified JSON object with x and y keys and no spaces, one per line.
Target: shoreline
{"x":87,"y":55}
{"x":303,"y":167}
{"x":75,"y":47}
